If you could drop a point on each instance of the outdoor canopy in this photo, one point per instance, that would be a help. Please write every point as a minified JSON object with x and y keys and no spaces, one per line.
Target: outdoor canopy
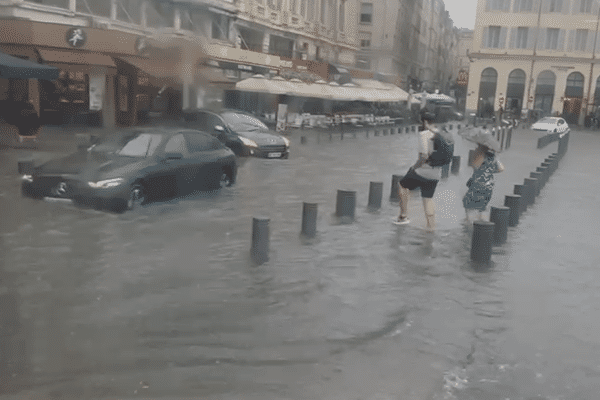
{"x":17,"y":68}
{"x":365,"y":91}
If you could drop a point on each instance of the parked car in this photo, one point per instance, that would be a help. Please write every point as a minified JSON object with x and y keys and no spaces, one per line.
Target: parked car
{"x":242,"y":132}
{"x":548,"y":125}
{"x":135,"y":166}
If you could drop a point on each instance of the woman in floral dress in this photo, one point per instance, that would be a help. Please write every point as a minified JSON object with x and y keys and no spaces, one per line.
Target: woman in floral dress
{"x":481,"y":183}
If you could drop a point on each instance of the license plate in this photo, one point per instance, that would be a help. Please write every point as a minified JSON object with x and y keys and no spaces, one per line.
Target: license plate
{"x":57,"y":200}
{"x":274,"y":155}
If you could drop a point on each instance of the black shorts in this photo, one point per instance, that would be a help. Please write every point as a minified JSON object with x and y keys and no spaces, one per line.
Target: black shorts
{"x":412,"y":180}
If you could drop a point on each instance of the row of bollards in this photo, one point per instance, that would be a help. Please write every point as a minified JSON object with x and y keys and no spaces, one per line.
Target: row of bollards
{"x":344,"y":209}
{"x":488,"y":234}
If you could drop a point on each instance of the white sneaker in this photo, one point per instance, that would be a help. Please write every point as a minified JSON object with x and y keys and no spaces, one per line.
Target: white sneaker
{"x":401,"y":221}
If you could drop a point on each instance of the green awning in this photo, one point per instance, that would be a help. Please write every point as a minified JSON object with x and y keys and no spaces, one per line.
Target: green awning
{"x":14,"y":67}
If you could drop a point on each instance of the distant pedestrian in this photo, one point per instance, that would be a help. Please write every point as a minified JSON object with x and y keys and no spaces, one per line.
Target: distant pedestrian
{"x":426,"y":172}
{"x":481,"y":184}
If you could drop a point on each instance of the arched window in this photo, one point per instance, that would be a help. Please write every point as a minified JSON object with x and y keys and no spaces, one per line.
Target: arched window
{"x":487,"y":92}
{"x":574,"y":85}
{"x":544,"y":91}
{"x":515,"y":90}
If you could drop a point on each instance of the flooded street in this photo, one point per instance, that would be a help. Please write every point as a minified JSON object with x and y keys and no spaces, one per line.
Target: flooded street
{"x":165,"y":302}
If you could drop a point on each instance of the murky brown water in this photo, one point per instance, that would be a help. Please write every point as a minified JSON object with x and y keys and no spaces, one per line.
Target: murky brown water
{"x":164,"y":302}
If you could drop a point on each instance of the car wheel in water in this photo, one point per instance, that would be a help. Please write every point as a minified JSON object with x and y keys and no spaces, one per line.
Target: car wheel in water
{"x":225,"y":180}
{"x":136,"y":196}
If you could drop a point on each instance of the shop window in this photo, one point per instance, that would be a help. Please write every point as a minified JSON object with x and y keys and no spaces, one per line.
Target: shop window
{"x":72,"y":90}
{"x":363,"y":62}
{"x":99,"y":8}
{"x":251,"y":40}
{"x":53,"y":3}
{"x":366,"y":13}
{"x":281,"y":47}
{"x":129,"y":10}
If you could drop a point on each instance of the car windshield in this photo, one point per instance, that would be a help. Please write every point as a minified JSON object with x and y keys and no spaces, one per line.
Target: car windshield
{"x":142,"y":145}
{"x":547,"y":121}
{"x":243,"y":122}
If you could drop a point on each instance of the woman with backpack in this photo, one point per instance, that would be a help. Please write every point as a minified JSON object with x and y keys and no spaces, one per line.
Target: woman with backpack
{"x":485,"y":165}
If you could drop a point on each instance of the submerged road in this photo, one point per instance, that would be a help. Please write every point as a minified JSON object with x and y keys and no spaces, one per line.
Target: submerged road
{"x":165,"y":303}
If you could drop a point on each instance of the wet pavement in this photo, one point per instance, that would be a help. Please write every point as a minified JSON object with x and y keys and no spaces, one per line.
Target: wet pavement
{"x":165,"y":303}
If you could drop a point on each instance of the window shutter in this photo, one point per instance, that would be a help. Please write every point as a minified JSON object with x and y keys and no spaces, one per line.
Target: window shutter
{"x":571,"y":40}
{"x":576,"y":6}
{"x":513,"y":38}
{"x":502,"y":41}
{"x":546,"y":6}
{"x":595,"y":8}
{"x":488,"y":5}
{"x":541,"y":43}
{"x":484,"y":40}
{"x":561,"y":40}
{"x":563,"y":6}
{"x":506,"y":6}
{"x":516,"y":6}
{"x":531,"y":34}
{"x":536,"y":6}
{"x":590,"y":42}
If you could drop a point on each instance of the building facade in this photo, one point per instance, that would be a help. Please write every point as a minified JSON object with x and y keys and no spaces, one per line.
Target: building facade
{"x":461,"y":66}
{"x":535,"y":55}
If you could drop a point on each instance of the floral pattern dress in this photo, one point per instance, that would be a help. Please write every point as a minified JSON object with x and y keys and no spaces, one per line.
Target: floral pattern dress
{"x":481,"y":184}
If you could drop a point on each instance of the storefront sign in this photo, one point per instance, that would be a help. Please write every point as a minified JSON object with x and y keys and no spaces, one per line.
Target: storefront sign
{"x":76,"y":37}
{"x":463,"y":78}
{"x":256,"y":69}
{"x":97,"y":84}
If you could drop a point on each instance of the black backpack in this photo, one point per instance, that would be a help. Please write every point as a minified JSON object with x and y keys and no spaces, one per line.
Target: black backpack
{"x":443,"y":150}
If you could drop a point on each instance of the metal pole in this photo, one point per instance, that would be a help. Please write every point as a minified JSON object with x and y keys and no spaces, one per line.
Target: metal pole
{"x":534,"y":55}
{"x":587,"y":104}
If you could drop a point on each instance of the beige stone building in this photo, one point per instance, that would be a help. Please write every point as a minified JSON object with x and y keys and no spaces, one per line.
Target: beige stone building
{"x":461,"y":65}
{"x":535,"y":54}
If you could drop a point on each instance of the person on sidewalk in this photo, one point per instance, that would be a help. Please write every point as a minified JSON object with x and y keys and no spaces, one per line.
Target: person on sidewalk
{"x":421,"y":175}
{"x":481,"y":184}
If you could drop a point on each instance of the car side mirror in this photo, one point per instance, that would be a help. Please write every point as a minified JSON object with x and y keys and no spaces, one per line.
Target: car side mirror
{"x":173,"y":156}
{"x":219,"y":128}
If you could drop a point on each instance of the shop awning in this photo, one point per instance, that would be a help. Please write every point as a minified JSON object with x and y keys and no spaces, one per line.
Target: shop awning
{"x":76,"y":57}
{"x":18,"y":68}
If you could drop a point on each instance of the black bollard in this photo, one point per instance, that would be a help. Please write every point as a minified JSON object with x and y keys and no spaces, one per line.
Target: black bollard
{"x":530,"y":189}
{"x":25,"y":167}
{"x":260,"y":240}
{"x":520,"y":191}
{"x":543,"y":172}
{"x":309,"y":219}
{"x":395,"y":193}
{"x":538,"y":186}
{"x":455,"y":165}
{"x":513,"y":202}
{"x":481,"y":242}
{"x":346,"y":203}
{"x":375,"y":195}
{"x":546,"y":165}
{"x":551,"y":164}
{"x":499,"y":216}
{"x":302,"y":139}
{"x":445,"y":171}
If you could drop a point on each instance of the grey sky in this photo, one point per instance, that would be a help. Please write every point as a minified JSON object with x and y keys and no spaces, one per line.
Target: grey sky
{"x":462,"y":12}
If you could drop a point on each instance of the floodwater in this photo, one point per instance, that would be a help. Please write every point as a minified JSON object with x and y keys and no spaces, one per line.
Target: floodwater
{"x":165,"y":302}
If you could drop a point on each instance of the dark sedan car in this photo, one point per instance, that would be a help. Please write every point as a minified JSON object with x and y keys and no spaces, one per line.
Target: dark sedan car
{"x":135,"y":166}
{"x":243,"y":133}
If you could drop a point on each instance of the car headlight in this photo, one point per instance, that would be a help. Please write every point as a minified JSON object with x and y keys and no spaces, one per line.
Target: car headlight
{"x":107,"y":183}
{"x":248,"y":142}
{"x":27,"y":178}
{"x":287,"y":141}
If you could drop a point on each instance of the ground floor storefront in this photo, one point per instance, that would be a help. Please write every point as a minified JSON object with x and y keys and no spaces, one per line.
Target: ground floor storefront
{"x":570,"y":88}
